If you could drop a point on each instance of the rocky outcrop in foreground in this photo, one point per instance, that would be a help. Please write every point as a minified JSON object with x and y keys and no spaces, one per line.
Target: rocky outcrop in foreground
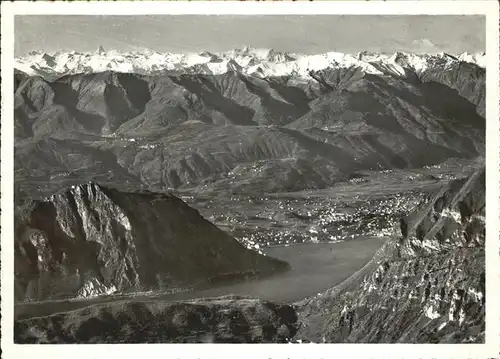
{"x":427,"y":286}
{"x":91,"y":240}
{"x":227,"y":320}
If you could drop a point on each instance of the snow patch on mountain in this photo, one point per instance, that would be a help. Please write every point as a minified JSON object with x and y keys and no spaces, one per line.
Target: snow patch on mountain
{"x":478,"y":59}
{"x":249,"y":61}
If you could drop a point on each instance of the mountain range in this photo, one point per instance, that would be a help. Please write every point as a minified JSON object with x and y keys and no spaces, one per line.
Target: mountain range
{"x":102,"y":139}
{"x":248,"y":61}
{"x":274,"y":133}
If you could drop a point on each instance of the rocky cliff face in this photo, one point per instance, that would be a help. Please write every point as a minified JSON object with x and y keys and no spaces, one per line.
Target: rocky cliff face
{"x":428,"y":285}
{"x":221,"y":320}
{"x":90,"y":240}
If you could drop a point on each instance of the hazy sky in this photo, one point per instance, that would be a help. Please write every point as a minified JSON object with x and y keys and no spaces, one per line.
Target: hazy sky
{"x":307,"y":34}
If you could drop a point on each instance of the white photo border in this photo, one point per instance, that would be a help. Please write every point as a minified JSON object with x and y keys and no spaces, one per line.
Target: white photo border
{"x":491,"y":348}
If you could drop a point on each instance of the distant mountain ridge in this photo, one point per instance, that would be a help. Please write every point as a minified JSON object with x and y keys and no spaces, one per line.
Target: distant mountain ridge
{"x":248,"y":61}
{"x":238,"y":131}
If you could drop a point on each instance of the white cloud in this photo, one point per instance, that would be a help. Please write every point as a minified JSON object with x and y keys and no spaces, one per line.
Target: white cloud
{"x":425,"y":46}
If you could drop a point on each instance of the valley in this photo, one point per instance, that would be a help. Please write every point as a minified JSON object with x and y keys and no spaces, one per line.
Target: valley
{"x":249,"y":196}
{"x":314,"y":268}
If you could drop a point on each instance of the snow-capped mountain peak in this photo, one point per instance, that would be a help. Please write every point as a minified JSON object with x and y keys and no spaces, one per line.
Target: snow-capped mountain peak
{"x":250,"y":61}
{"x":101,"y":50}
